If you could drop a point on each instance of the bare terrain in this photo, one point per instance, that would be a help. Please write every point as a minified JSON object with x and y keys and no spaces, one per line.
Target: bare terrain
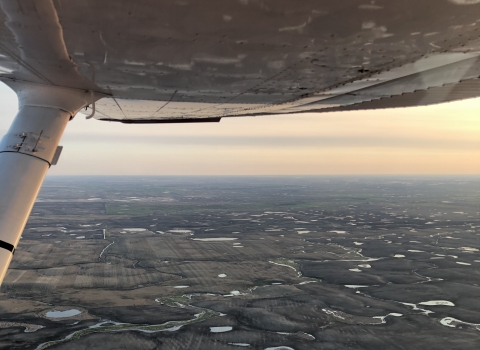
{"x":250,"y":262}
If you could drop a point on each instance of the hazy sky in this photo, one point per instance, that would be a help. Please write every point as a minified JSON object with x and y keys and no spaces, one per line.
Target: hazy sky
{"x":442,"y":139}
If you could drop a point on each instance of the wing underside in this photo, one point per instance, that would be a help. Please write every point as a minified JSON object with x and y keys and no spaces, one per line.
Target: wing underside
{"x":186,"y":61}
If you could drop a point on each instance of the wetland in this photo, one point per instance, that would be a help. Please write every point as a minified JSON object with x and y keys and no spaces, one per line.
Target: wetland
{"x":325,"y":263}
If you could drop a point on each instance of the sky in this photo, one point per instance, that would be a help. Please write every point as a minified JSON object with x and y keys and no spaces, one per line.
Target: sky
{"x":440,"y":139}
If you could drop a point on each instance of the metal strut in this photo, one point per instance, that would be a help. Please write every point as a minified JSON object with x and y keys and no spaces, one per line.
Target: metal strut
{"x":27,"y":151}
{"x":93,"y":107}
{"x":91,"y":92}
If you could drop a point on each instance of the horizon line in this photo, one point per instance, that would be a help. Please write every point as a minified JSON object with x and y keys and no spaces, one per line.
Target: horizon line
{"x":256,"y":175}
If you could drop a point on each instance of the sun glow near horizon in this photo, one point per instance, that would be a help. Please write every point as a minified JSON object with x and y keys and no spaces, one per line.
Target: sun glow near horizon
{"x":440,"y":139}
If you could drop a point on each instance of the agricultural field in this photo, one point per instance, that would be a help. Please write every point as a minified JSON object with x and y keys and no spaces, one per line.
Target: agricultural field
{"x":275,"y":263}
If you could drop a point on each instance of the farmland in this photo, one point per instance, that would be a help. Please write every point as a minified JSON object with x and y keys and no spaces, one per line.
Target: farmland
{"x":260,"y":262}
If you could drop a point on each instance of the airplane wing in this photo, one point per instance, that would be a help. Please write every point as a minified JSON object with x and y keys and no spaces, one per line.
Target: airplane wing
{"x":182,"y":61}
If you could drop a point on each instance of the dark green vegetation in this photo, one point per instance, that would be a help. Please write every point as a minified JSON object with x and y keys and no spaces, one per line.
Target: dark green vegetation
{"x":304,"y":262}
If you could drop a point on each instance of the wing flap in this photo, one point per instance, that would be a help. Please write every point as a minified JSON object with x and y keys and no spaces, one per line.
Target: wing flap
{"x":448,"y":93}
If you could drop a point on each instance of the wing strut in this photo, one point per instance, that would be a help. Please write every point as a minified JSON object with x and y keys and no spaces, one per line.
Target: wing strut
{"x":26,"y":153}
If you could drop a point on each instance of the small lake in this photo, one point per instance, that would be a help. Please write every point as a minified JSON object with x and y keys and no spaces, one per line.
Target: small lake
{"x":218,"y":239}
{"x":220,"y":329}
{"x":181,"y":231}
{"x":63,"y":314}
{"x":134,"y":229}
{"x":468,"y":249}
{"x":239,"y":344}
{"x":437,"y":303}
{"x":365,"y":266}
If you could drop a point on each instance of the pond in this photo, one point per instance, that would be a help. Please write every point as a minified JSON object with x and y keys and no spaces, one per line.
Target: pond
{"x":63,"y":314}
{"x":220,"y":329}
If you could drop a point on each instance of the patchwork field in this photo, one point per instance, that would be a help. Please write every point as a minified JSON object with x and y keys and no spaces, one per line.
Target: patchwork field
{"x":260,"y":263}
